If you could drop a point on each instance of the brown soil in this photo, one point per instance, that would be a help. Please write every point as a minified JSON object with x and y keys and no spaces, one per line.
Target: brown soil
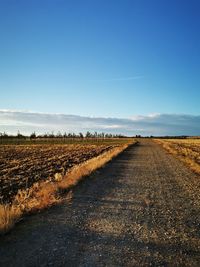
{"x":142,"y":209}
{"x":22,"y":166}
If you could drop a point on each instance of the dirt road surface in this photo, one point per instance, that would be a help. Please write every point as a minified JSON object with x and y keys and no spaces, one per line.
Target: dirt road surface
{"x":141,"y":209}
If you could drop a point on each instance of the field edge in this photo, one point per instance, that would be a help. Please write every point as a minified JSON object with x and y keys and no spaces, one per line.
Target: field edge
{"x":45,"y":194}
{"x":187,"y":161}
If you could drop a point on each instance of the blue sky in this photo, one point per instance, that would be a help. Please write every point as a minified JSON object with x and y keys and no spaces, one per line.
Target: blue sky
{"x":100,"y":58}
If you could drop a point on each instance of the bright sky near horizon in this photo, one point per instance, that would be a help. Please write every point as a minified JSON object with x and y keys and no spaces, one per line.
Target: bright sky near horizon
{"x":104,"y":58}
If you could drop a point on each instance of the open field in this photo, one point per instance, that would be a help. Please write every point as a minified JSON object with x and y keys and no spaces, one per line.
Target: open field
{"x":31,"y":176}
{"x":22,"y":166}
{"x":187,"y":150}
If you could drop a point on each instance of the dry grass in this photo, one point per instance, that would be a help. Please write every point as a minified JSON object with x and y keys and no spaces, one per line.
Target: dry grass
{"x":44,"y":194}
{"x":187,"y":150}
{"x":9,"y":215}
{"x":85,"y":169}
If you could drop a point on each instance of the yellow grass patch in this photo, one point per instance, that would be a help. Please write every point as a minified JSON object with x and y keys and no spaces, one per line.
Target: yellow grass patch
{"x":9,"y":215}
{"x":187,"y":150}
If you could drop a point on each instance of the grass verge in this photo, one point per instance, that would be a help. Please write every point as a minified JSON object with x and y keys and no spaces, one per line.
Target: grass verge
{"x":184,"y":154}
{"x":45,"y":194}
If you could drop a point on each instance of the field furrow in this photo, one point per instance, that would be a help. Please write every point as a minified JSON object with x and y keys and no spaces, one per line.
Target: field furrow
{"x":23,"y":165}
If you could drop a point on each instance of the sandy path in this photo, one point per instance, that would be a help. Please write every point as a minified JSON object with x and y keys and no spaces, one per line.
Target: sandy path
{"x":142,"y":209}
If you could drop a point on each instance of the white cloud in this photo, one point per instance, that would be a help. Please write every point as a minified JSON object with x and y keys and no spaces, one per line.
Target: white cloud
{"x":112,"y":126}
{"x":140,"y":117}
{"x":154,"y":124}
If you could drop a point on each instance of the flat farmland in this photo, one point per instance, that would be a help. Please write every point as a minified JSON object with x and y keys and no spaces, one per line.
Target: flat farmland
{"x":23,"y":165}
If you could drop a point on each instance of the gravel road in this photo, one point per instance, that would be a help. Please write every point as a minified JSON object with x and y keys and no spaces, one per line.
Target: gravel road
{"x":141,"y":209}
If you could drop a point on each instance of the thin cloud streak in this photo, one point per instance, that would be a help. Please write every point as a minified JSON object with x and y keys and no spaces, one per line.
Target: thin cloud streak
{"x":120,"y":79}
{"x":154,"y":124}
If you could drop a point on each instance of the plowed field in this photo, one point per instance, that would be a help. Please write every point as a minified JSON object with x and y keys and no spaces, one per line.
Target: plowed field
{"x":22,"y":166}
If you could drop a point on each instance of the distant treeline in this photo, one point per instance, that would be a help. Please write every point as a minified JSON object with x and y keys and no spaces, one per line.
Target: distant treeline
{"x":87,"y":135}
{"x":171,"y":137}
{"x":65,"y":135}
{"x":164,"y":137}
